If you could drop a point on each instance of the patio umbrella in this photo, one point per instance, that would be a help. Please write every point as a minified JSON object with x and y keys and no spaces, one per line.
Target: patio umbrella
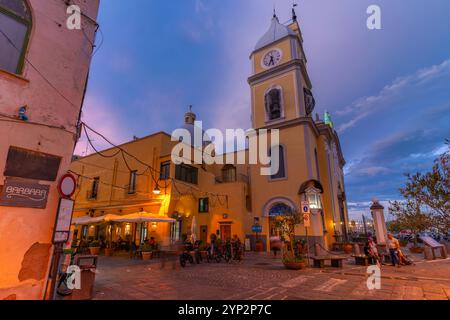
{"x":141,"y":217}
{"x":193,"y":228}
{"x":93,"y":220}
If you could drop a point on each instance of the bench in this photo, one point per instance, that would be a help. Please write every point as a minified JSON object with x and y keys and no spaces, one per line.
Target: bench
{"x":319,"y":261}
{"x":362,"y":260}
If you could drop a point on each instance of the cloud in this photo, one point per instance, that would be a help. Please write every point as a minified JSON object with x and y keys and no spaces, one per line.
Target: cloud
{"x":200,"y":25}
{"x":364,"y":107}
{"x":99,"y":115}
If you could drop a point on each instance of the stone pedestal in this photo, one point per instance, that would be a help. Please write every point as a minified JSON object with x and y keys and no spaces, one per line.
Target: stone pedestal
{"x":377,"y":211}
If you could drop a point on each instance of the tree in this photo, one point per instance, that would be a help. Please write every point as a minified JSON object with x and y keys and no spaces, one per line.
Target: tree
{"x":432,"y":190}
{"x":409,"y":216}
{"x":286,"y":224}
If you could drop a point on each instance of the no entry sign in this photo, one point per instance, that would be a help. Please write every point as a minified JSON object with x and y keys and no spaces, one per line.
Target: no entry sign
{"x":67,"y":185}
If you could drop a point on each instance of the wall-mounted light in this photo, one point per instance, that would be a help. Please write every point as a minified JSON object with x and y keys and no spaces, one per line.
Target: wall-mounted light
{"x":154,"y":226}
{"x":157,"y":191}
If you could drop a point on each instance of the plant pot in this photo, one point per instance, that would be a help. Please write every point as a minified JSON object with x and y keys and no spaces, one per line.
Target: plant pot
{"x":259,"y":247}
{"x":95,"y":251}
{"x":416,"y":250}
{"x":147,"y":255}
{"x":294,"y":265}
{"x":108,"y":252}
{"x":348,"y":248}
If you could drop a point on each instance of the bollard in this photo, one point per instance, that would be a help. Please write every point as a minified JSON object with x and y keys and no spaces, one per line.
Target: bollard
{"x":428,"y":253}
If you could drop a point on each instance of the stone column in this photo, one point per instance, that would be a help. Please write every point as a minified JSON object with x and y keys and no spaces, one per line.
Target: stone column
{"x":377,"y":211}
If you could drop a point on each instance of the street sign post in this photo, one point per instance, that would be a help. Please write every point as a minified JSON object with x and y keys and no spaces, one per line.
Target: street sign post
{"x":306,"y":222}
{"x":306,"y":214}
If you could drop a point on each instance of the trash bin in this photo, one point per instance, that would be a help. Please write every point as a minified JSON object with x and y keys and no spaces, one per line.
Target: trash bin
{"x":88,"y":267}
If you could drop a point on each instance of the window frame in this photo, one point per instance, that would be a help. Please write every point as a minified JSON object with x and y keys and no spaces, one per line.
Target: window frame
{"x":206,"y":207}
{"x":26,"y":41}
{"x":282,"y":150}
{"x":95,"y":186}
{"x":267,"y":109}
{"x":132,"y":183}
{"x":186,"y":173}
{"x":165,"y":164}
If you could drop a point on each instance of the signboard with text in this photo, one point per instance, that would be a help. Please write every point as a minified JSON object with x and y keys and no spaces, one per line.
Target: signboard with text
{"x":306,"y":214}
{"x":24,"y":194}
{"x":257,"y":228}
{"x":63,"y":221}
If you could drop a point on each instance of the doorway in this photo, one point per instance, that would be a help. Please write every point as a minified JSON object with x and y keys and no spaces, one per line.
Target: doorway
{"x":204,"y":234}
{"x":225,"y":232}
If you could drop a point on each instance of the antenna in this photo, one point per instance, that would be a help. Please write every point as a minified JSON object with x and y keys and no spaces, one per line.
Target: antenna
{"x":294,"y":15}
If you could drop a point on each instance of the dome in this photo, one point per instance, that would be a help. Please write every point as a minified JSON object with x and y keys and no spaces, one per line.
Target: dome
{"x":276,"y":32}
{"x":189,"y":125}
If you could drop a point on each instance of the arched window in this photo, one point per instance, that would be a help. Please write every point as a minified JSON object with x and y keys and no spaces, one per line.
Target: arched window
{"x":280,"y":209}
{"x":15,"y":27}
{"x":229,"y":173}
{"x":274,"y":104}
{"x":282,"y":164}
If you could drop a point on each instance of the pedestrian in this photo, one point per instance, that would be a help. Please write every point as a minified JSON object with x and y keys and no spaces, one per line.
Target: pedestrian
{"x":275,"y":245}
{"x":394,"y":247}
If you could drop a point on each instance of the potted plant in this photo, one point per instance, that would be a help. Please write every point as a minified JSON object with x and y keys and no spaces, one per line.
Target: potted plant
{"x":94,"y":248}
{"x":147,"y":252}
{"x":294,"y":257}
{"x":108,"y":249}
{"x":294,"y":262}
{"x":348,"y":247}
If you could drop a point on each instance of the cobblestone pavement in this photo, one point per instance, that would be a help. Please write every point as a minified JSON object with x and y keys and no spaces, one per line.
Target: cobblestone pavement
{"x":261,"y":277}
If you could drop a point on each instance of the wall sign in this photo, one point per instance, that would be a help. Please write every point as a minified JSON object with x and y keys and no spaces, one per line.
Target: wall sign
{"x":63,"y":221}
{"x":30,"y":164}
{"x":24,"y":193}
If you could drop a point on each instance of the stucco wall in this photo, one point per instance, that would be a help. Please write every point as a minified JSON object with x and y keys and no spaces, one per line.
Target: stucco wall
{"x":62,"y":56}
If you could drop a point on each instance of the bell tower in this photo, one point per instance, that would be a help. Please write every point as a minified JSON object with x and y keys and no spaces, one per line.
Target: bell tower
{"x":280,"y":85}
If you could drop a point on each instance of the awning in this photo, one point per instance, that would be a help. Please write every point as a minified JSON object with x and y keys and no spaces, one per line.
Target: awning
{"x":87,"y":220}
{"x":143,"y":217}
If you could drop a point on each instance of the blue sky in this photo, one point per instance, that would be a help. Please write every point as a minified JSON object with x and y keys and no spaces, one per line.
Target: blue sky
{"x":388,"y":90}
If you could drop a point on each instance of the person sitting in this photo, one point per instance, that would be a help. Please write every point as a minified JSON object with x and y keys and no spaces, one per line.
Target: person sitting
{"x":372,"y":252}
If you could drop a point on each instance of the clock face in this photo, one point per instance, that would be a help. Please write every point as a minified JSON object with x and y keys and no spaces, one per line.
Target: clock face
{"x":272,"y":58}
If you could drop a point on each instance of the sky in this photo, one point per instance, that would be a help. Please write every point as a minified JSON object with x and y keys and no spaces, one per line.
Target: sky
{"x":388,"y":90}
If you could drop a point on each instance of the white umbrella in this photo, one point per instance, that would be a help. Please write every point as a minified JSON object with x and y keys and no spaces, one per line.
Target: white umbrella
{"x":143,"y":217}
{"x":93,"y":220}
{"x":193,"y":228}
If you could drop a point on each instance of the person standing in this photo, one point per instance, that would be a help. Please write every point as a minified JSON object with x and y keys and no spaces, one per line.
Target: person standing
{"x":394,"y":247}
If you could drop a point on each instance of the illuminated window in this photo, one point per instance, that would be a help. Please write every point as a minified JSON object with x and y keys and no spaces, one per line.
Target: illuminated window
{"x":15,"y":26}
{"x":127,"y":229}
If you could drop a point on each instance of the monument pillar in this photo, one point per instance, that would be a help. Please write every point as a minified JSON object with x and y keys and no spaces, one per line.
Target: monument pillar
{"x":377,"y":211}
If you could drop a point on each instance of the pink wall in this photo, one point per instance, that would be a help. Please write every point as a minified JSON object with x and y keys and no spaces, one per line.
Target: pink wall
{"x":63,"y":56}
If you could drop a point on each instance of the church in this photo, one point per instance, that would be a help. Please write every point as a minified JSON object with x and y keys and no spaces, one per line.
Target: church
{"x":227,"y":200}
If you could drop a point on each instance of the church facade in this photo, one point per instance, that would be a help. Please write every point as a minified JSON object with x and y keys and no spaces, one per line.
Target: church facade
{"x":139,"y":176}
